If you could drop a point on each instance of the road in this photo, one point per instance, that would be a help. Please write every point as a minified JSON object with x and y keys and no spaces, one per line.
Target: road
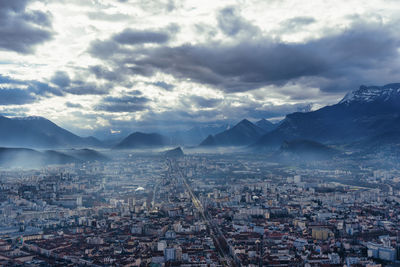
{"x":215,"y":232}
{"x":153,"y":202}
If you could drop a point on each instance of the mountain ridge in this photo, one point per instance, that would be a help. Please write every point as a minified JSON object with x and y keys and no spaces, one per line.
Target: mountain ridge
{"x":243,"y":133}
{"x":142,"y":140}
{"x":39,"y":132}
{"x":265,"y":124}
{"x":369,"y":113}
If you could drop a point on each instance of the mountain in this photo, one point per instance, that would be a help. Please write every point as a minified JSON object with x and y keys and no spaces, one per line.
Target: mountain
{"x":142,"y":140}
{"x":38,"y":132}
{"x":243,"y":133}
{"x":174,"y":153}
{"x":266,"y":125}
{"x":29,"y":158}
{"x":209,"y":141}
{"x":306,"y":150}
{"x":195,"y":135}
{"x":370,"y":111}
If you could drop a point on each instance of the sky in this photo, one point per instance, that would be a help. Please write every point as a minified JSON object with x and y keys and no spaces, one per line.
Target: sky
{"x":106,"y":66}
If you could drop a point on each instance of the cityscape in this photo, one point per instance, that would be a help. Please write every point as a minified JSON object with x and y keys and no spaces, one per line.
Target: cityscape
{"x":234,"y":133}
{"x":200,"y":209}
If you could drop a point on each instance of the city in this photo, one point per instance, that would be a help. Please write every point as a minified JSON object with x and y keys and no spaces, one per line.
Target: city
{"x":234,"y":133}
{"x":145,"y":209}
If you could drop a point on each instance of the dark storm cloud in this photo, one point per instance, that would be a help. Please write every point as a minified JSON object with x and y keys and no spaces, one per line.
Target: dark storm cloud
{"x":232,"y":68}
{"x":361,"y":53}
{"x":126,"y":103}
{"x":20,"y":29}
{"x":134,"y":37}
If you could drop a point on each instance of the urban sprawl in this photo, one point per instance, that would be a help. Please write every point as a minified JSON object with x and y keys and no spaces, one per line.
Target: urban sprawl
{"x":144,"y":209}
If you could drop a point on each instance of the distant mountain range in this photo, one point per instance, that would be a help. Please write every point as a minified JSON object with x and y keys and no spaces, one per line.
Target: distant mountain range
{"x":196,"y":134}
{"x":243,"y":133}
{"x":365,"y":115}
{"x":143,"y":140}
{"x":266,"y":125}
{"x":38,"y":132}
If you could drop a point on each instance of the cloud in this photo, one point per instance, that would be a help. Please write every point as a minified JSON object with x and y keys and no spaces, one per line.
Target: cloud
{"x":231,"y":23}
{"x":347,"y":56}
{"x":61,"y":79}
{"x":20,"y":92}
{"x":239,"y":67}
{"x":131,"y":37}
{"x":164,"y":85}
{"x":104,"y":73}
{"x":81,"y":84}
{"x":73,"y":105}
{"x":125,"y":103}
{"x":204,"y":102}
{"x":296,"y":23}
{"x":41,"y":88}
{"x":134,"y":37}
{"x":18,"y":111}
{"x":273,"y":110}
{"x":112,"y":17}
{"x":193,"y":62}
{"x":104,"y":49}
{"x":38,"y":17}
{"x":156,"y":6}
{"x":21,"y":30}
{"x":79,"y":87}
{"x":16,"y":97}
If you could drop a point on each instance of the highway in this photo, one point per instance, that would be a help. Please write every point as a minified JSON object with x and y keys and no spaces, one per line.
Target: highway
{"x":215,"y":232}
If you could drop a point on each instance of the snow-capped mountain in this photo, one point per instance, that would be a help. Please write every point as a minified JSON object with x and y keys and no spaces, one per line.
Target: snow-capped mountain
{"x":30,"y":118}
{"x":369,"y":113}
{"x":372,"y":93}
